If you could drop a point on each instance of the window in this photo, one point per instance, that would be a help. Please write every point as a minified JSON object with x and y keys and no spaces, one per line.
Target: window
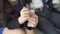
{"x":56,"y":4}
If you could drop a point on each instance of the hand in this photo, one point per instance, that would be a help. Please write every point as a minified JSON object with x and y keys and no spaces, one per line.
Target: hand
{"x":33,"y":20}
{"x":25,"y":14}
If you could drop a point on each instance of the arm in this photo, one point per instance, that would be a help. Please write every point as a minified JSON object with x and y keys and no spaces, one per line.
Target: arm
{"x":13,"y":24}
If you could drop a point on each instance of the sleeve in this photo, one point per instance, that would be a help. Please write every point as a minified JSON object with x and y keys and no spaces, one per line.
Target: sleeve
{"x":13,"y":24}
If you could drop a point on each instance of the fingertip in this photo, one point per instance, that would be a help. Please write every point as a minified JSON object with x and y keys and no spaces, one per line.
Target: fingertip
{"x":24,"y":7}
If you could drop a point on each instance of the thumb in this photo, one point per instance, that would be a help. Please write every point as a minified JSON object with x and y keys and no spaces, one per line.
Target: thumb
{"x":32,"y":14}
{"x":33,"y":11}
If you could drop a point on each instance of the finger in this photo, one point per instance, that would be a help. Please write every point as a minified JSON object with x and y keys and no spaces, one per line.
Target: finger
{"x":32,"y":11}
{"x":25,"y":13}
{"x":34,"y":16}
{"x":24,"y":9}
{"x":33,"y":20}
{"x":21,"y":20}
{"x":27,"y":17}
{"x":32,"y":25}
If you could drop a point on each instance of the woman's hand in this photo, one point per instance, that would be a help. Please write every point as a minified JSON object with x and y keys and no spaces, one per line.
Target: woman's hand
{"x":25,"y":14}
{"x":33,"y":20}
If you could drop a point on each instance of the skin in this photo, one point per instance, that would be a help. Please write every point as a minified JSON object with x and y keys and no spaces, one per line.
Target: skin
{"x":26,"y":14}
{"x":30,"y":23}
{"x":29,"y":31}
{"x":31,"y":17}
{"x":13,"y":2}
{"x":13,"y":31}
